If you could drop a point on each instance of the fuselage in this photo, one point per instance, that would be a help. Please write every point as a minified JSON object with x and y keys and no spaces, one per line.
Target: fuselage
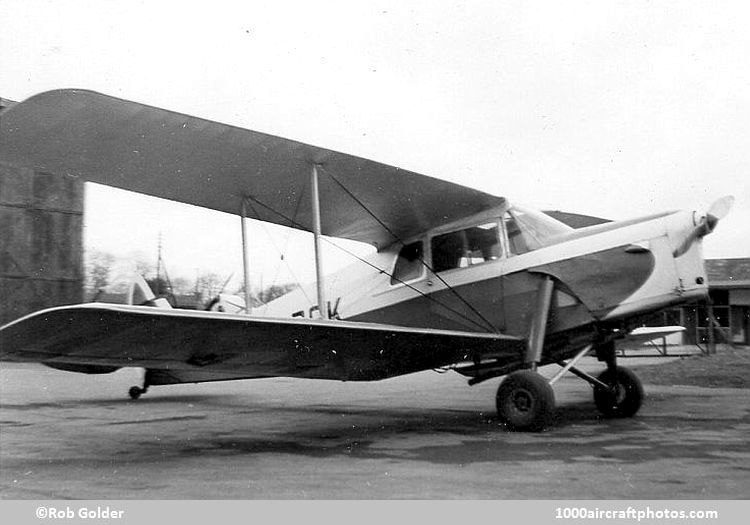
{"x":482,"y":273}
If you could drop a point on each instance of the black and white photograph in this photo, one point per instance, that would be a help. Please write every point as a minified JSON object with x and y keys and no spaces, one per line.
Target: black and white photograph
{"x":376,"y":250}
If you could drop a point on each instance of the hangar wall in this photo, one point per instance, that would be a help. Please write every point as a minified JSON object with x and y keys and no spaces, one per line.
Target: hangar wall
{"x":41,"y":241}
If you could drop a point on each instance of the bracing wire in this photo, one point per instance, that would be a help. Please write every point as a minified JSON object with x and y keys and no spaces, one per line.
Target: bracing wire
{"x":429,"y":297}
{"x":421,"y":259}
{"x":281,"y":253}
{"x":420,"y":292}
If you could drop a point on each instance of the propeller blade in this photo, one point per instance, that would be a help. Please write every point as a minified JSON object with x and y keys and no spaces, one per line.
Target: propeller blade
{"x":721,"y":207}
{"x":689,"y":240}
{"x":718,"y":210}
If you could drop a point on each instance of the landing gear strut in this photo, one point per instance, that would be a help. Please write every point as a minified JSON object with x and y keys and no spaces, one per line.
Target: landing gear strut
{"x":617,"y":391}
{"x":525,"y":400}
{"x":136,"y":391}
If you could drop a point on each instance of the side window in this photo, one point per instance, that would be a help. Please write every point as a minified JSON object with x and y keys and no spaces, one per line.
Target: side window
{"x":483,"y":243}
{"x":408,"y":264}
{"x":447,"y":251}
{"x":464,"y":248}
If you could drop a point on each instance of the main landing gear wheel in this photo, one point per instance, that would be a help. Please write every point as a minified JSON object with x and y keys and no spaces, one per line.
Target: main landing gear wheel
{"x":525,"y":401}
{"x":625,"y":395}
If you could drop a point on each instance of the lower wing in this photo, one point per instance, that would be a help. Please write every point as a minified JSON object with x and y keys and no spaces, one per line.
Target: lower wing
{"x":218,"y":346}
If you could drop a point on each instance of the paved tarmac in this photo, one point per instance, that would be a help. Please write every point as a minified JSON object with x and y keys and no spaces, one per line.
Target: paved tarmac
{"x":427,"y":435}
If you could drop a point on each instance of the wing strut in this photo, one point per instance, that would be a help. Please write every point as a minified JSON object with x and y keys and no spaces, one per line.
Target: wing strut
{"x":245,"y":265}
{"x":322,"y":305}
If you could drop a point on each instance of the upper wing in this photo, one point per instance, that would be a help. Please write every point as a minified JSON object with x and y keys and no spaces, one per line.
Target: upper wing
{"x":237,"y":345}
{"x":174,"y":156}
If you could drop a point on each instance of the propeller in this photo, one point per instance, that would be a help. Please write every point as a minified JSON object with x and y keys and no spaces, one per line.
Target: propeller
{"x":717,"y":211}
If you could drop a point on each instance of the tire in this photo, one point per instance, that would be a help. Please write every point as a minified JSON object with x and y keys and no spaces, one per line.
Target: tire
{"x":525,"y":401}
{"x":625,"y":400}
{"x":135,"y":392}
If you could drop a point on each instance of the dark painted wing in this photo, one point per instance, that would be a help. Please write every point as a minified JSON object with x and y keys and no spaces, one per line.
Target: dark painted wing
{"x":236,"y":345}
{"x":141,"y":148}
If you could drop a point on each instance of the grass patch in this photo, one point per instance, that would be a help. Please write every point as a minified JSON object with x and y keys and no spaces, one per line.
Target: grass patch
{"x":727,"y":368}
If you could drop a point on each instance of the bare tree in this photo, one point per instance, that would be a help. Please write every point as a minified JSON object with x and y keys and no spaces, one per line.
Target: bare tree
{"x":98,"y":268}
{"x":182,"y":285}
{"x":275,"y":290}
{"x":209,"y":285}
{"x":143,"y":267}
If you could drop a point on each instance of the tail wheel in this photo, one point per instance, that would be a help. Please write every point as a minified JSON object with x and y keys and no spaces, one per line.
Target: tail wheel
{"x":135,"y":392}
{"x":525,"y":401}
{"x":623,"y":398}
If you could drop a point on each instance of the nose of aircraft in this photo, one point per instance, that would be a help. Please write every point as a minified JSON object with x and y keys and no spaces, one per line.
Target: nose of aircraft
{"x":705,"y":224}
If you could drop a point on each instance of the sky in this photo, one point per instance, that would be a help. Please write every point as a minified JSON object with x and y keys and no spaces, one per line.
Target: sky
{"x":613,"y":109}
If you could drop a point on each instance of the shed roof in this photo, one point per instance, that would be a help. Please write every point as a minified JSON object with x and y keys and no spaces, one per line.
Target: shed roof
{"x":725,"y":273}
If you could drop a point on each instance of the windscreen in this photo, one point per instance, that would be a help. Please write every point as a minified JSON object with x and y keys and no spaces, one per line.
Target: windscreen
{"x":531,"y":229}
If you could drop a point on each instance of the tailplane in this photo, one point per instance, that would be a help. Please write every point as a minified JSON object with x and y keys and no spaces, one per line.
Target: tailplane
{"x":140,"y":294}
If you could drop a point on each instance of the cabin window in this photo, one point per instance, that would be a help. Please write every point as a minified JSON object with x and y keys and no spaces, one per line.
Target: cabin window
{"x":466,"y":247}
{"x":409,"y":263}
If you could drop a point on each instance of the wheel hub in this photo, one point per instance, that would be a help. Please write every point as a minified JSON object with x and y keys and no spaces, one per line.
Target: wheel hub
{"x":522,"y":400}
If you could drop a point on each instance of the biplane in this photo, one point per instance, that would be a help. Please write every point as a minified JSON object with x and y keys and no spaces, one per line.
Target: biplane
{"x":459,"y":278}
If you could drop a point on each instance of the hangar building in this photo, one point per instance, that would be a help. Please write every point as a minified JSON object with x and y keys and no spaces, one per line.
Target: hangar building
{"x":41,"y":239}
